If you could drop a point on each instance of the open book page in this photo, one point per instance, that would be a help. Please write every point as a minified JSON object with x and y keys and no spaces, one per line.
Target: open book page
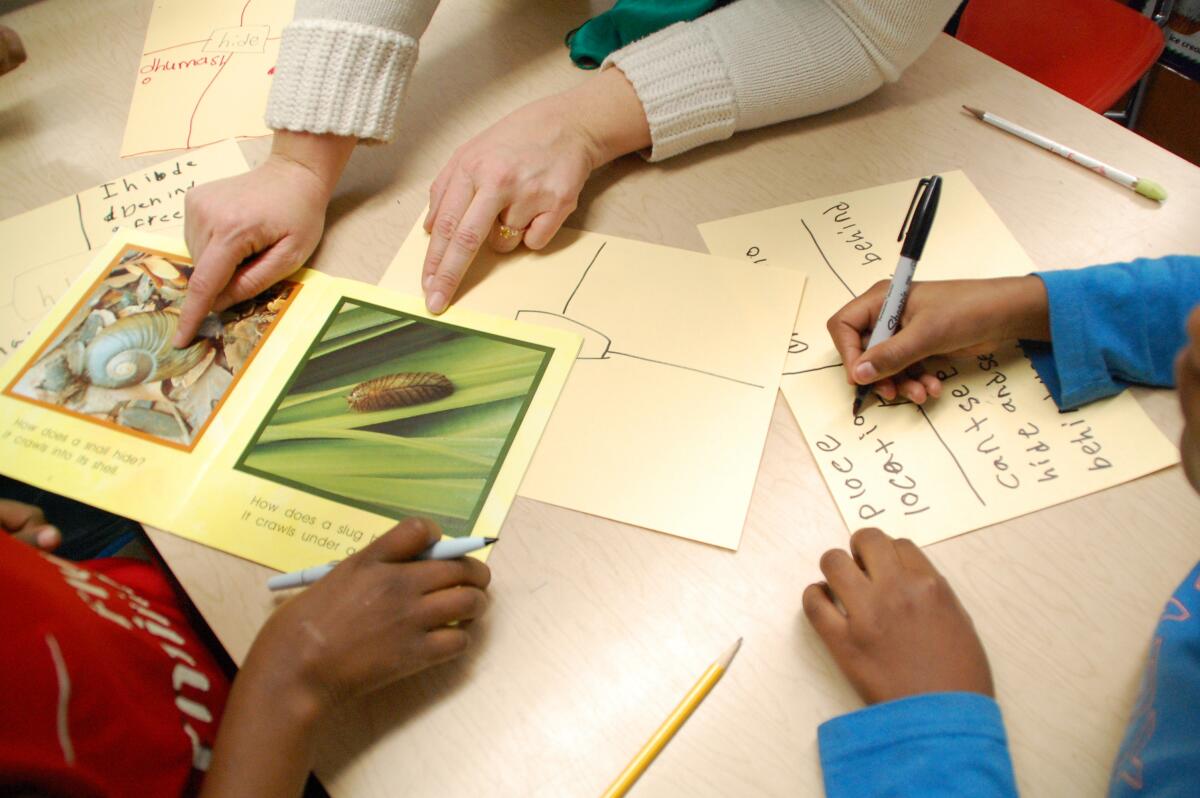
{"x":296,"y":428}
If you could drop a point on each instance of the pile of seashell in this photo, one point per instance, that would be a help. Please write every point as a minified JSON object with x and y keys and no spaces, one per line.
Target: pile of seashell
{"x":114,"y":359}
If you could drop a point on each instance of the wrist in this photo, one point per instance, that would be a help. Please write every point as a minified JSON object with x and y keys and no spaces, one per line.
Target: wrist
{"x":608,"y":112}
{"x":322,"y":156}
{"x":1031,"y":319}
{"x":274,"y":676}
{"x":269,"y":708}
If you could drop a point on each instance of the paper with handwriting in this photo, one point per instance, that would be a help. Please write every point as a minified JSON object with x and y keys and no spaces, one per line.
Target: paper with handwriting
{"x":994,"y":446}
{"x":45,"y":249}
{"x":204,"y":74}
{"x":663,"y":419}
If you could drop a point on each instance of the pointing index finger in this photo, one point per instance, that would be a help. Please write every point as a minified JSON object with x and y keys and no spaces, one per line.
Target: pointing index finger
{"x":213,"y":271}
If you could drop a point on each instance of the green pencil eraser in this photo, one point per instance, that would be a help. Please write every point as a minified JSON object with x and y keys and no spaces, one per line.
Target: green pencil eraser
{"x":1148,"y":188}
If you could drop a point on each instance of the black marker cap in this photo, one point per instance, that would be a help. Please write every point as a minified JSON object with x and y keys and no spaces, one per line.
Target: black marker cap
{"x":922,"y":210}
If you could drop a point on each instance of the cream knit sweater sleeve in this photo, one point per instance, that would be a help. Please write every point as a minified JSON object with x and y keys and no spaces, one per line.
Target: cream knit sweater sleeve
{"x":343,"y":66}
{"x":758,"y":62}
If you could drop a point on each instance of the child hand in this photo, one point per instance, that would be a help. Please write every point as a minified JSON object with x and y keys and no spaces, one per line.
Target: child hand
{"x":26,"y":523}
{"x":247,"y":232}
{"x":953,"y":318}
{"x":12,"y":50}
{"x":900,"y":630}
{"x":376,"y":618}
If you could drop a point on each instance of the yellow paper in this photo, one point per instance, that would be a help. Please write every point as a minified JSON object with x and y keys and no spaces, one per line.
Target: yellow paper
{"x":663,"y":421}
{"x":204,"y":74}
{"x":994,"y":446}
{"x":46,"y":249}
{"x":298,"y":428}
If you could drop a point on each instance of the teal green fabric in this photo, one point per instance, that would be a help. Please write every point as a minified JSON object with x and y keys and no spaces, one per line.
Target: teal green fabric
{"x":628,"y":21}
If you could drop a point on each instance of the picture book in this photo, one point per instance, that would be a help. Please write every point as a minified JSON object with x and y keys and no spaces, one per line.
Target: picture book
{"x":296,"y":428}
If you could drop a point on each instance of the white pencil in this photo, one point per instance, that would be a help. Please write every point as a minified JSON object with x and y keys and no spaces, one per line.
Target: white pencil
{"x":1147,"y":188}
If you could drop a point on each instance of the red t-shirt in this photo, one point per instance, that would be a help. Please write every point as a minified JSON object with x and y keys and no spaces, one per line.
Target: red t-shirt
{"x":105,"y":688}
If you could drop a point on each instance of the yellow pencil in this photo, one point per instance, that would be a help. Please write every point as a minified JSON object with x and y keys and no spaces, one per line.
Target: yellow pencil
{"x":671,"y":725}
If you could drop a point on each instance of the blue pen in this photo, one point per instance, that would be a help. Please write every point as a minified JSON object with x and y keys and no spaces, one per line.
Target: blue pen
{"x":448,"y":549}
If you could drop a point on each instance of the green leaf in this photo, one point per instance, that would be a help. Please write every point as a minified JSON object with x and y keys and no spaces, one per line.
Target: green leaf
{"x":330,"y":345}
{"x":378,"y":455}
{"x":320,"y":425}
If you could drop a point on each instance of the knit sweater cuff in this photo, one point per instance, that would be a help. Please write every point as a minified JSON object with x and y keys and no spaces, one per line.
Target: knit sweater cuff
{"x":340,"y":77}
{"x":683,"y":85}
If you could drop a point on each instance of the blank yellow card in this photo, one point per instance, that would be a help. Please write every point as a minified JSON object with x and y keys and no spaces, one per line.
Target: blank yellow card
{"x":663,"y":421}
{"x":204,"y":74}
{"x":298,"y":427}
{"x":47,"y":248}
{"x":994,"y":446}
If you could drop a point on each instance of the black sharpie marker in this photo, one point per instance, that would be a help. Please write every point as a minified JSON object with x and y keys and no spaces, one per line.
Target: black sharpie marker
{"x":921,"y":211}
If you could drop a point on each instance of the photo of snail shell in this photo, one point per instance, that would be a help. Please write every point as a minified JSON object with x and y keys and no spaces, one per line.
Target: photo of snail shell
{"x":113,"y":360}
{"x":398,"y":415}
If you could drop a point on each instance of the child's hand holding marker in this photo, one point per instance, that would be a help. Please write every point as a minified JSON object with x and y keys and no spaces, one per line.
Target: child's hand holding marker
{"x":953,"y":318}
{"x":380,"y":615}
{"x":376,"y":618}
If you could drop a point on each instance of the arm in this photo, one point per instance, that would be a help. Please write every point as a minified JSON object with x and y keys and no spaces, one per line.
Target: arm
{"x":935,"y":744}
{"x":1114,"y":326}
{"x":344,"y":65}
{"x":899,"y":635}
{"x":752,"y":63}
{"x":758,"y":62}
{"x":341,"y":75}
{"x":1089,"y":332}
{"x":375,"y":619}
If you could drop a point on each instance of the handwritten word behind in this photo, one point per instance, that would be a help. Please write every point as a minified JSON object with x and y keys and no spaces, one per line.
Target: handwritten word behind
{"x":850,"y":233}
{"x":30,"y":439}
{"x":994,"y":446}
{"x":335,"y":537}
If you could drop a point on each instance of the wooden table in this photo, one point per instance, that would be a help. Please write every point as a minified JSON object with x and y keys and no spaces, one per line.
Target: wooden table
{"x":596,"y":629}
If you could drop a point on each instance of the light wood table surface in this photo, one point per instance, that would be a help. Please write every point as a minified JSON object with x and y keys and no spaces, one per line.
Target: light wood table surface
{"x":596,"y":629}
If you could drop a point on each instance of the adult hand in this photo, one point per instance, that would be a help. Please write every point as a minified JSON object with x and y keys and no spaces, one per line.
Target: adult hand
{"x":954,"y":318}
{"x":248,"y":232}
{"x":892,"y":623}
{"x":522,"y":176}
{"x":27,"y":523}
{"x":12,"y":50}
{"x":377,"y":617}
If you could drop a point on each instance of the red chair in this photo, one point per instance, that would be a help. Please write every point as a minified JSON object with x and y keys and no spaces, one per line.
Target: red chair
{"x":1093,"y":51}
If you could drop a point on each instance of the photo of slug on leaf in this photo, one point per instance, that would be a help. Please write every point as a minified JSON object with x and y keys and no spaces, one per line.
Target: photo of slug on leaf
{"x":398,"y":415}
{"x":113,"y":361}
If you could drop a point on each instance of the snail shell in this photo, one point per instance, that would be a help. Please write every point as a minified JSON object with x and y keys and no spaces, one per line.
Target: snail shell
{"x":399,"y":390}
{"x":137,"y":349}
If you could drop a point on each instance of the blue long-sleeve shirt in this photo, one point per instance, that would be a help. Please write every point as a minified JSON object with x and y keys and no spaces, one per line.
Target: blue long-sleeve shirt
{"x":1111,"y":326}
